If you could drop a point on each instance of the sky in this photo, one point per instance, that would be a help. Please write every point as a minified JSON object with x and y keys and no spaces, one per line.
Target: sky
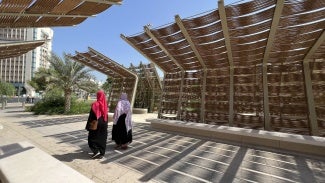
{"x":102,"y":32}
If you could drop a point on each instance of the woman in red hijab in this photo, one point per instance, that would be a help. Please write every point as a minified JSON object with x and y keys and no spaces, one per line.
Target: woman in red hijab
{"x":97,"y":138}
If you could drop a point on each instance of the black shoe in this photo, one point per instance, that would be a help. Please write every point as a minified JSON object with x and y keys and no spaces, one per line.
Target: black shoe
{"x":94,"y":156}
{"x":100,"y":157}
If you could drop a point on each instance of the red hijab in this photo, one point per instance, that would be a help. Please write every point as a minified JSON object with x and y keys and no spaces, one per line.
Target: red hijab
{"x":100,"y":106}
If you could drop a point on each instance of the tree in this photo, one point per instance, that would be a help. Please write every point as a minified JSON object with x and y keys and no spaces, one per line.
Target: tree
{"x":69,"y":76}
{"x":6,"y":89}
{"x":107,"y":85}
{"x":39,"y":81}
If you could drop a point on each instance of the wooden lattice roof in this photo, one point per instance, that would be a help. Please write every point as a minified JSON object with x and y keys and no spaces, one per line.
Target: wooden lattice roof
{"x":244,"y":34}
{"x":149,"y":86}
{"x":151,"y":75}
{"x":258,"y":64}
{"x":49,"y":13}
{"x":103,"y":64}
{"x":123,"y":79}
{"x":15,"y":49}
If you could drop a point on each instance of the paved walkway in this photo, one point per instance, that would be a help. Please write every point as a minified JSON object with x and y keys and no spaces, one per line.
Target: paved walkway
{"x":156,"y":156}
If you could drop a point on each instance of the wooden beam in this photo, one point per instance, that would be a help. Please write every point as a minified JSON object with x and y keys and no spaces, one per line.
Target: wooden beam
{"x":20,"y":43}
{"x":162,"y":92}
{"x":189,"y":40}
{"x":279,"y":94}
{"x":151,"y":85}
{"x":142,"y":53}
{"x":105,"y":2}
{"x":153,"y":37}
{"x":225,"y":30}
{"x":146,"y":75}
{"x":134,"y":92}
{"x":45,"y":15}
{"x":312,"y":117}
{"x":22,"y":14}
{"x":274,"y":26}
{"x":87,"y":62}
{"x":199,"y":58}
{"x":317,"y":44}
{"x":115,"y":63}
{"x":157,"y":76}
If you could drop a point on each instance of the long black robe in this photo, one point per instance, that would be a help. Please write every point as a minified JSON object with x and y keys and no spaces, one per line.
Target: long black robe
{"x":119,"y":134}
{"x":97,"y":138}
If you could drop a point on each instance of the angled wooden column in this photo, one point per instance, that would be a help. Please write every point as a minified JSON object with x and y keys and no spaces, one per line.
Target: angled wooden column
{"x":151,"y":93}
{"x":153,"y":37}
{"x":270,"y":40}
{"x":134,"y":91}
{"x":225,"y":30}
{"x":156,"y":74}
{"x":163,"y":88}
{"x":280,"y":97}
{"x":110,"y":92}
{"x":198,"y":56}
{"x":143,"y":54}
{"x":312,"y":118}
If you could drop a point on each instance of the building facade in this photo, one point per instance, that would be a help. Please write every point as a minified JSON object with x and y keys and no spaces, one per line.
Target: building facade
{"x":20,"y":70}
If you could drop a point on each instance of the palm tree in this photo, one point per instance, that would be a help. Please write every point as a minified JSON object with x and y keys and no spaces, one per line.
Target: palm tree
{"x":69,"y":76}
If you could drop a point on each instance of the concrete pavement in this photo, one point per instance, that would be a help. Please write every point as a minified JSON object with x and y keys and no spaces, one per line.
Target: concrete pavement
{"x":156,"y":156}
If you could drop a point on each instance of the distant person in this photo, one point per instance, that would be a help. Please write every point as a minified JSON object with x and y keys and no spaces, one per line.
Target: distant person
{"x":122,"y":124}
{"x":97,"y":137}
{"x":27,"y":99}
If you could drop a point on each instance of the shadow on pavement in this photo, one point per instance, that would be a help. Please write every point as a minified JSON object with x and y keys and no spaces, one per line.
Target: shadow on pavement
{"x":12,"y":149}
{"x":69,"y":157}
{"x":169,"y":157}
{"x":53,"y":121}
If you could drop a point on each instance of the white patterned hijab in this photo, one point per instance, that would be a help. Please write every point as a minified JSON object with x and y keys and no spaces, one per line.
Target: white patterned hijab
{"x":123,"y":107}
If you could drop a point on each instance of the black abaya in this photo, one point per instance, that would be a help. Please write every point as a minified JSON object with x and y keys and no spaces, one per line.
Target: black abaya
{"x":119,"y":134}
{"x":97,"y":138}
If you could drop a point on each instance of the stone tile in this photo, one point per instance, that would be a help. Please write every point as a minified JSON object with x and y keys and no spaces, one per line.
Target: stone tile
{"x":214,"y":160}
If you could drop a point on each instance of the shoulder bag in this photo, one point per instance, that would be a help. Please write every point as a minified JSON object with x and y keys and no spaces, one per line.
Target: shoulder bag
{"x":93,"y":125}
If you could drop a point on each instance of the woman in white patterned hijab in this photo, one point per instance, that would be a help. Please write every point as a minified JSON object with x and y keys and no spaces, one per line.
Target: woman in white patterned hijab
{"x":122,"y":123}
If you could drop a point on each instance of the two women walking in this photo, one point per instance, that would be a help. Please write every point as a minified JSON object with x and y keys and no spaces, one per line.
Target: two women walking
{"x":97,"y":125}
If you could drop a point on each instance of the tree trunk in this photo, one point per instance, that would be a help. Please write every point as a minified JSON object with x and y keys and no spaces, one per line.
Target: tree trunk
{"x":67,"y":104}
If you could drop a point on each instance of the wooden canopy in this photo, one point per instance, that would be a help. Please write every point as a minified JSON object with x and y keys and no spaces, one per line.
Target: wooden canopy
{"x":123,"y":79}
{"x":258,"y":64}
{"x":149,"y":87}
{"x":11,"y":49}
{"x":49,"y":13}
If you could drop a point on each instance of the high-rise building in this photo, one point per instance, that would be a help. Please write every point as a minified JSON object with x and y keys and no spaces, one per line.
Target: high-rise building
{"x":20,"y":70}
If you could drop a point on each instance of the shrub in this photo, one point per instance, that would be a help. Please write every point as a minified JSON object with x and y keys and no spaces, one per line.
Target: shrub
{"x":53,"y":103}
{"x":80,"y":107}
